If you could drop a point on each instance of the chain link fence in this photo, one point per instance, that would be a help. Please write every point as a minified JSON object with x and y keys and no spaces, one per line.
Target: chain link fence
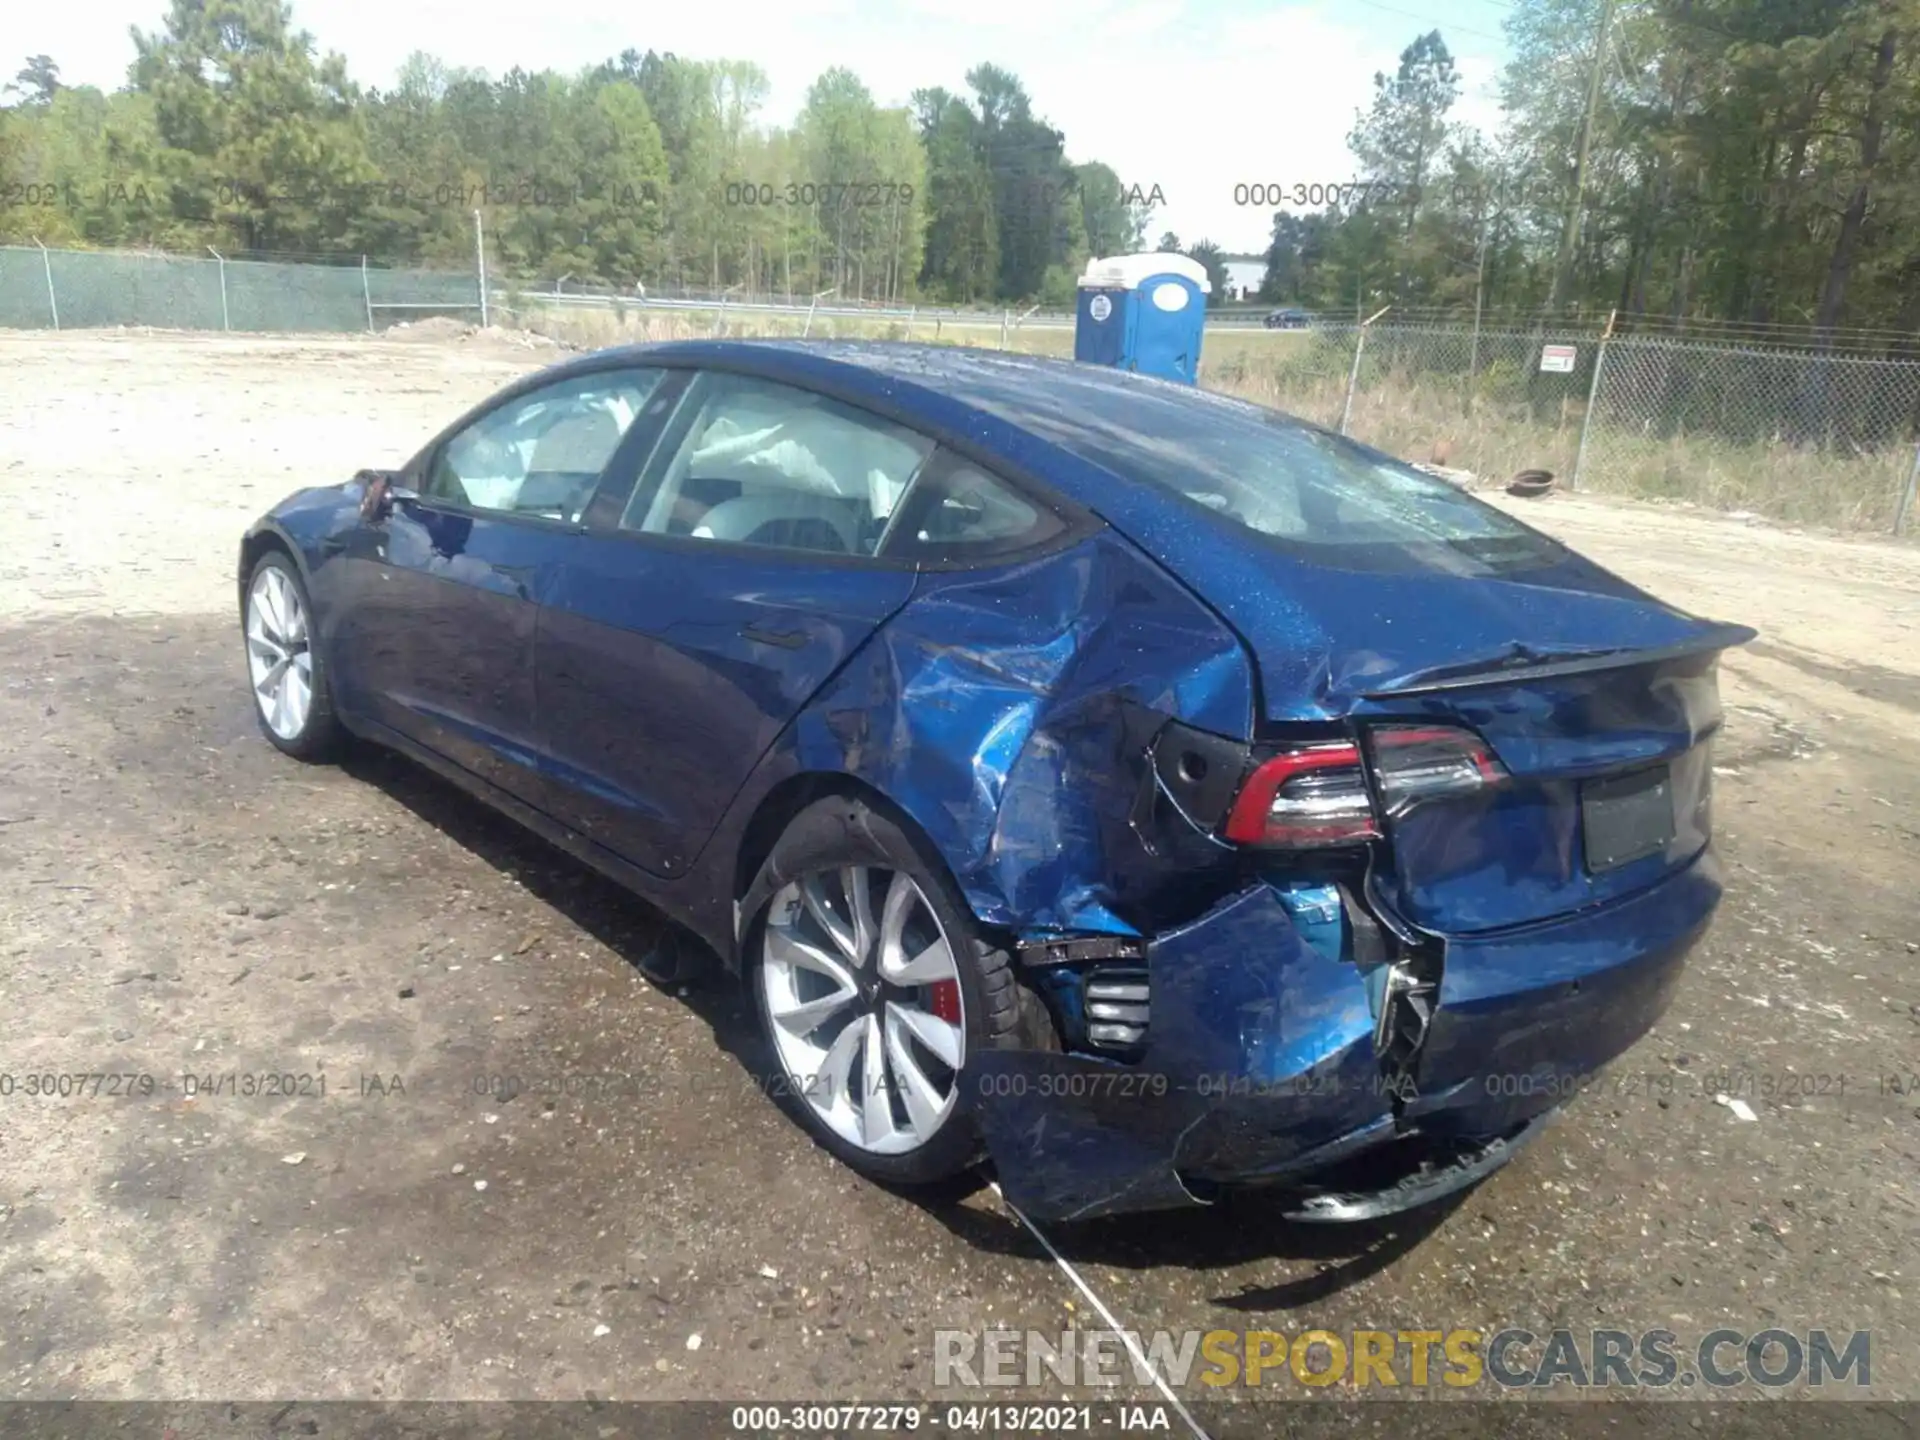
{"x":1469,"y":400}
{"x":1797,"y":435}
{"x":78,"y":289}
{"x":1800,"y":435}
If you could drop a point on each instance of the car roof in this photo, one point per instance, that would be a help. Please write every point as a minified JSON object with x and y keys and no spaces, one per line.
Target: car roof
{"x":1090,"y":436}
{"x":940,"y":387}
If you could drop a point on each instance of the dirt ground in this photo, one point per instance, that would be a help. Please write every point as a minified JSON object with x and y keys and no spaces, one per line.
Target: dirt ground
{"x":177,"y":898}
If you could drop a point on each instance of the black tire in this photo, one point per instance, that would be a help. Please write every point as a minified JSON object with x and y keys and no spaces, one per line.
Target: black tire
{"x":322,"y":737}
{"x":998,"y":1012}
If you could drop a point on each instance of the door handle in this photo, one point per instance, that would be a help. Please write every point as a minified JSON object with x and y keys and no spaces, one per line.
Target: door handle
{"x":785,"y":639}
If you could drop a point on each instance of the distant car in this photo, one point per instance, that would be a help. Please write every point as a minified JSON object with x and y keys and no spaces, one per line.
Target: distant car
{"x":1150,"y":790}
{"x":1289,"y":320}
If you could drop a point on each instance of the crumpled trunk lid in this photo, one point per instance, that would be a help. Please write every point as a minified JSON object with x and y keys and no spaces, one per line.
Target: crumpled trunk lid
{"x":1608,"y":789}
{"x":1599,"y":701}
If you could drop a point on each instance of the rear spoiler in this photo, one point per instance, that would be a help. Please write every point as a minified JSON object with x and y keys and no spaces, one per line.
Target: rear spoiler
{"x":1520,"y":665}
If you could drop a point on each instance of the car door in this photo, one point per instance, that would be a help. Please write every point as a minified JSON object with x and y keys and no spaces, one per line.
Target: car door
{"x":700,"y":612}
{"x":439,"y":641}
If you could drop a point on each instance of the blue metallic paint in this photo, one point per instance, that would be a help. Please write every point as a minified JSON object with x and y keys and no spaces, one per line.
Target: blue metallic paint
{"x":1323,"y":633}
{"x":439,"y":640}
{"x":1544,"y":1006}
{"x":1514,"y":854}
{"x":666,"y":671}
{"x":1327,"y":636}
{"x":994,"y":709}
{"x":1261,"y":1067}
{"x":1240,"y":1004}
{"x":1007,"y":711}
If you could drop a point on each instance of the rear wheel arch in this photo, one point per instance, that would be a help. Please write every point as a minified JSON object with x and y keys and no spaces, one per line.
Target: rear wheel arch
{"x":791,"y":798}
{"x":782,"y":804}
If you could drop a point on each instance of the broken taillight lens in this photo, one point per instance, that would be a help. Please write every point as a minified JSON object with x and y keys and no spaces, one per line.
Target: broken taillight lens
{"x":1315,"y":796}
{"x":1427,"y":762}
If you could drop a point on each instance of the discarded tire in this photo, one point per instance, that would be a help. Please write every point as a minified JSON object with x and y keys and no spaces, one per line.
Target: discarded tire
{"x":1531,"y":482}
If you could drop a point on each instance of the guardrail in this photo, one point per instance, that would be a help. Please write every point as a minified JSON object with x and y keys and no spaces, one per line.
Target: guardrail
{"x":506,"y":298}
{"x":843,"y":309}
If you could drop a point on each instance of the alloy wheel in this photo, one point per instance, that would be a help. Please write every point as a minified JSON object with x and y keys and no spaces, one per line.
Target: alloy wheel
{"x":278,"y":656}
{"x":862,"y":989}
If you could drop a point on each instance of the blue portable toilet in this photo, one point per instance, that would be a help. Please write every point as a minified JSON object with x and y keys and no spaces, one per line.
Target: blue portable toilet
{"x":1145,"y":313}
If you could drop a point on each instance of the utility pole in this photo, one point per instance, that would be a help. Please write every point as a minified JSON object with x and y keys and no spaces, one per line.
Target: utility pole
{"x":1479,"y":298}
{"x":1570,"y":235}
{"x":480,"y":263}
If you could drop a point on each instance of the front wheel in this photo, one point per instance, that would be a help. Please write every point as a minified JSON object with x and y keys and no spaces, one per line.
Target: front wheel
{"x":874,"y":987}
{"x":291,"y":697}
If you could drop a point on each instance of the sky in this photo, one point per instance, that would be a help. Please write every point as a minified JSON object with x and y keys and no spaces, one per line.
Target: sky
{"x":1195,"y":97}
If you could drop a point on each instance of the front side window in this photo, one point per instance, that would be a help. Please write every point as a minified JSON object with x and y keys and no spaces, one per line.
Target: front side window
{"x":765,"y":464}
{"x":542,"y":453}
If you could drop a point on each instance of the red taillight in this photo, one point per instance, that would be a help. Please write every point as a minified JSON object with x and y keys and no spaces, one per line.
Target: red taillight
{"x":1305,"y":798}
{"x":1316,"y":796}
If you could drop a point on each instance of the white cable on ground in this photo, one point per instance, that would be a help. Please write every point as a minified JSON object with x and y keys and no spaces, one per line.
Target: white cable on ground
{"x":1132,"y":1342}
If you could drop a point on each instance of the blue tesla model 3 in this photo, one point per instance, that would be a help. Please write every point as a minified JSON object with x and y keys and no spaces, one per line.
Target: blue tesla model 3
{"x":1146,"y":791}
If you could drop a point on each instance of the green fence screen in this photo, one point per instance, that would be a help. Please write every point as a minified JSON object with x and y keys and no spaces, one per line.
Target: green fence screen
{"x":78,"y":289}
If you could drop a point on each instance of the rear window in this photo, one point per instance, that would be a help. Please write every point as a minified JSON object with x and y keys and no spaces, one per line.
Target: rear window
{"x":1305,"y":490}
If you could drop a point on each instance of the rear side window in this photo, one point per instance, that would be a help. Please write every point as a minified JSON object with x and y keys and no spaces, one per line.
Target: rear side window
{"x":957,"y":513}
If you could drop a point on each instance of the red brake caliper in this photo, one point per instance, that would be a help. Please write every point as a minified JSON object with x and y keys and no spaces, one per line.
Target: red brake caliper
{"x":944,"y":1000}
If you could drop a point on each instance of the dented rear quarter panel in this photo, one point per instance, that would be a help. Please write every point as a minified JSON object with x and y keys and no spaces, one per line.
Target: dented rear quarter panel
{"x":1007,"y":712}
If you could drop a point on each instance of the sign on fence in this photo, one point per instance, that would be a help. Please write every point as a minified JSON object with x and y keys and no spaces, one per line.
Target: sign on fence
{"x":1558,"y":359}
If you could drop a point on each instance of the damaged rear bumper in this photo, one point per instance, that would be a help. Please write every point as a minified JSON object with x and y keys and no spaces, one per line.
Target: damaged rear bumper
{"x":1260,"y":1068}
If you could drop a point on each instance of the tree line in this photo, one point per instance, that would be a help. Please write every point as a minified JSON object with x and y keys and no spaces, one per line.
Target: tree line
{"x":1746,"y":166}
{"x":234,"y":132}
{"x":1750,"y":165}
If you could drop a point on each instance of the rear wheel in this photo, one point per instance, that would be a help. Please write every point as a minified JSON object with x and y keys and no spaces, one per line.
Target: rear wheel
{"x":290,"y":694}
{"x":874,"y":988}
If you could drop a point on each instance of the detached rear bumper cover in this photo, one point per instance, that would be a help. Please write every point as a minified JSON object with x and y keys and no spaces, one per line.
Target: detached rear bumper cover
{"x":1422,"y":1179}
{"x":1260,"y":1064}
